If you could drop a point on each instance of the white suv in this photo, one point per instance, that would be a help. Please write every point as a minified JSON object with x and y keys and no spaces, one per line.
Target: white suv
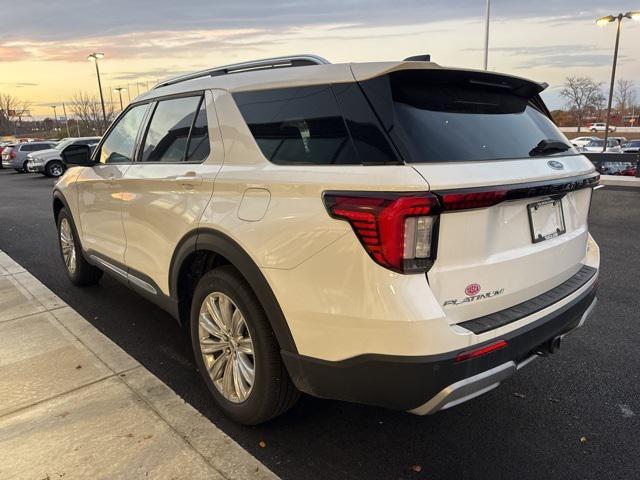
{"x":398,"y":234}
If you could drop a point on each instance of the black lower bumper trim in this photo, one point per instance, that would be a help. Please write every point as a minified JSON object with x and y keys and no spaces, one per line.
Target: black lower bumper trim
{"x":524,"y":309}
{"x":404,"y":383}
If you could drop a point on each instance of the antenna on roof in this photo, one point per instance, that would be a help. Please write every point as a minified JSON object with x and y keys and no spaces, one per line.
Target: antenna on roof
{"x":418,"y":58}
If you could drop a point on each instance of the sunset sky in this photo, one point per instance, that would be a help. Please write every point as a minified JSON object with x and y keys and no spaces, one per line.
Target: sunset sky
{"x":43,"y":52}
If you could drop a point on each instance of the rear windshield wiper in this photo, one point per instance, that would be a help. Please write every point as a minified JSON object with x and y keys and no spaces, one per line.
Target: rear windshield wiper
{"x":547,"y":147}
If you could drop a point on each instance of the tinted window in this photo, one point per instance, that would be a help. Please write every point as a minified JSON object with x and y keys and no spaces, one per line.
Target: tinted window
{"x":120,"y":143}
{"x":298,"y":125}
{"x":27,"y":147}
{"x":437,"y":116}
{"x":199,"y":148}
{"x":168,"y":133}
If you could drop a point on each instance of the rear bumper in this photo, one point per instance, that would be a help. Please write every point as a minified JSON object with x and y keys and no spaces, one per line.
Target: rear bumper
{"x":428,"y":384}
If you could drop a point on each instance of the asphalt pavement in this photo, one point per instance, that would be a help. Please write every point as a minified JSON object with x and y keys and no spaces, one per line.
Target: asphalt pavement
{"x":575,"y":414}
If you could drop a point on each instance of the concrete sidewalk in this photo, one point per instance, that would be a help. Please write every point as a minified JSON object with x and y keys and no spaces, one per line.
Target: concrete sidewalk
{"x":74,"y":405}
{"x":619,"y":181}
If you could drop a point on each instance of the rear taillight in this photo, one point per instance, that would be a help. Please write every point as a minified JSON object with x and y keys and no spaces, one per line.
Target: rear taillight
{"x":396,"y":229}
{"x":479,"y":352}
{"x":464,"y":201}
{"x":12,"y":154}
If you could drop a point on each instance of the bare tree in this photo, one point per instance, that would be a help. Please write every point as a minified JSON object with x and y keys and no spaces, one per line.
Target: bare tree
{"x":11,"y":108}
{"x":88,"y":111}
{"x":582,"y":95}
{"x":625,"y":96}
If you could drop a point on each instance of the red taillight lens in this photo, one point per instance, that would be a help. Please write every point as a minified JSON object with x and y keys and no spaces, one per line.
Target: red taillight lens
{"x":492,"y":347}
{"x":463,"y":201}
{"x":395,"y":229}
{"x":12,"y":154}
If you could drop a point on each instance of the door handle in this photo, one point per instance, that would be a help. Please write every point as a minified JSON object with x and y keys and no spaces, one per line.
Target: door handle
{"x":189,"y":179}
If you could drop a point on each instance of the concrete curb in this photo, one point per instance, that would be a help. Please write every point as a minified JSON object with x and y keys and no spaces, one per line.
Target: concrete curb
{"x":620,"y":181}
{"x":75,"y":404}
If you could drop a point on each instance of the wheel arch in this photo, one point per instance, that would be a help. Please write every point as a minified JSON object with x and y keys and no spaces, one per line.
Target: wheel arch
{"x":59,"y":202}
{"x":225,"y":251}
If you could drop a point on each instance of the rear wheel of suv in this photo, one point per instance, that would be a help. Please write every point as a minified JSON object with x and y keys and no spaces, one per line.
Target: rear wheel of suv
{"x":79,"y":271}
{"x":236,"y":350}
{"x":54,"y":169}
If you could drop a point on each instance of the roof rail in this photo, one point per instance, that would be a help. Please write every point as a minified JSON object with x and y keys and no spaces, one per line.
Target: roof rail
{"x":263,"y":64}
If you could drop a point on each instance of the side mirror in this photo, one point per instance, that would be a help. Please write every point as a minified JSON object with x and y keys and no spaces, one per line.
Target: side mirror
{"x":77,"y":155}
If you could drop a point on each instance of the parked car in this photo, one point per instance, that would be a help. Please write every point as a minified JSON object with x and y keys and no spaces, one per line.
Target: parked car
{"x":612,"y":168}
{"x":2,"y":145}
{"x":631,"y":147}
{"x":629,"y":172}
{"x":601,"y":127}
{"x":582,"y":141}
{"x":621,"y":140}
{"x":15,"y":155}
{"x":49,"y":162}
{"x":595,"y":146}
{"x":353,"y":231}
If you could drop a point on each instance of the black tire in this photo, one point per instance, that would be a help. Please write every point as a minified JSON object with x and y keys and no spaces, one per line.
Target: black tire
{"x":24,"y":167}
{"x":273,"y":392}
{"x":50,"y":169}
{"x":84,"y":273}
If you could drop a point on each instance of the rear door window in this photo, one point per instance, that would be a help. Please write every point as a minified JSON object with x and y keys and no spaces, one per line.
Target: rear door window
{"x":168,"y":134}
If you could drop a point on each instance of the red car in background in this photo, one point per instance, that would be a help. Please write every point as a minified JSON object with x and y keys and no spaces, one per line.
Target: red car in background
{"x":629,"y":172}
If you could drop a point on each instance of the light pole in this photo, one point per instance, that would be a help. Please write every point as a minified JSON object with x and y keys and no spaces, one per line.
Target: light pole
{"x":486,"y":36}
{"x":120,"y":90}
{"x":55,"y":118}
{"x":66,"y":119}
{"x":94,"y":57}
{"x":602,"y":22}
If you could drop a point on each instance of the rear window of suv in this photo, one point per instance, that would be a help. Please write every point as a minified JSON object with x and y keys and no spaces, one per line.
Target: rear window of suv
{"x":446,"y":116}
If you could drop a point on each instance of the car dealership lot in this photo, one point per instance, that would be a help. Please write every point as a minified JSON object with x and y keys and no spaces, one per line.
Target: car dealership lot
{"x":575,"y":415}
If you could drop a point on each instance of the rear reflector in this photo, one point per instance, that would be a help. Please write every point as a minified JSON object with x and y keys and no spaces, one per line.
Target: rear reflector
{"x":461,"y":357}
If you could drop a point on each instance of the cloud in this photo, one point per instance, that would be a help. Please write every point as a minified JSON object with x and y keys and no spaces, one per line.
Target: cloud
{"x":89,"y":18}
{"x":19,"y":84}
{"x":571,"y":60}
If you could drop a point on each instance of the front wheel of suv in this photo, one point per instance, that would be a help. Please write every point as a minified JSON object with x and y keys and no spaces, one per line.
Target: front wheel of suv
{"x":236,"y":350}
{"x":79,"y":271}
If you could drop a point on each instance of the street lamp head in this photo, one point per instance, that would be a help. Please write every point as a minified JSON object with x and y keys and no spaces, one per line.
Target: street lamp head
{"x":634,"y":16}
{"x":602,"y":21}
{"x":95,"y":56}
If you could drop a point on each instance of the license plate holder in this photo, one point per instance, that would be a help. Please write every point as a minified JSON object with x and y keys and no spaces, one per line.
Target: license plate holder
{"x":546,"y":219}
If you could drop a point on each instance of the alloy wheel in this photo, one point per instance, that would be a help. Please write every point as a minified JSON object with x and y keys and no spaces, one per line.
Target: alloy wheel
{"x":56,"y":170}
{"x":67,"y":245}
{"x":226,"y":347}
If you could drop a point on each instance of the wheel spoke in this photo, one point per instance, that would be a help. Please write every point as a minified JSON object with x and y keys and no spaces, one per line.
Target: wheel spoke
{"x":227,"y":379}
{"x":245,"y":345}
{"x":209,"y":326}
{"x":238,"y":382}
{"x":216,"y":370}
{"x":226,"y":311}
{"x":214,"y":311}
{"x":237,"y":323}
{"x":246,"y":368}
{"x":209,"y":345}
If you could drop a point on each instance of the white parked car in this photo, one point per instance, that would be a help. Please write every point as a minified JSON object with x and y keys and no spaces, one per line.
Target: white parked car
{"x":398,"y":233}
{"x":49,"y":162}
{"x":601,"y":127}
{"x":582,"y":141}
{"x":595,"y":146}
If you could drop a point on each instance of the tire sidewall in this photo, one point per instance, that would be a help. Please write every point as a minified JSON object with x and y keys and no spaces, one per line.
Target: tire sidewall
{"x":64,"y":215}
{"x":227,"y":284}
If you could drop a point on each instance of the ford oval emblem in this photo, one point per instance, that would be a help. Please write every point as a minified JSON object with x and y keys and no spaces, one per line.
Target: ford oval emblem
{"x":555,"y":165}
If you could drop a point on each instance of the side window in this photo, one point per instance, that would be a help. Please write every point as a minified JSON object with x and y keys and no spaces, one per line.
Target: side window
{"x":120,"y":143}
{"x":298,"y":125}
{"x":26,"y":148}
{"x":199,"y":147}
{"x":41,"y":147}
{"x":168,"y":134}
